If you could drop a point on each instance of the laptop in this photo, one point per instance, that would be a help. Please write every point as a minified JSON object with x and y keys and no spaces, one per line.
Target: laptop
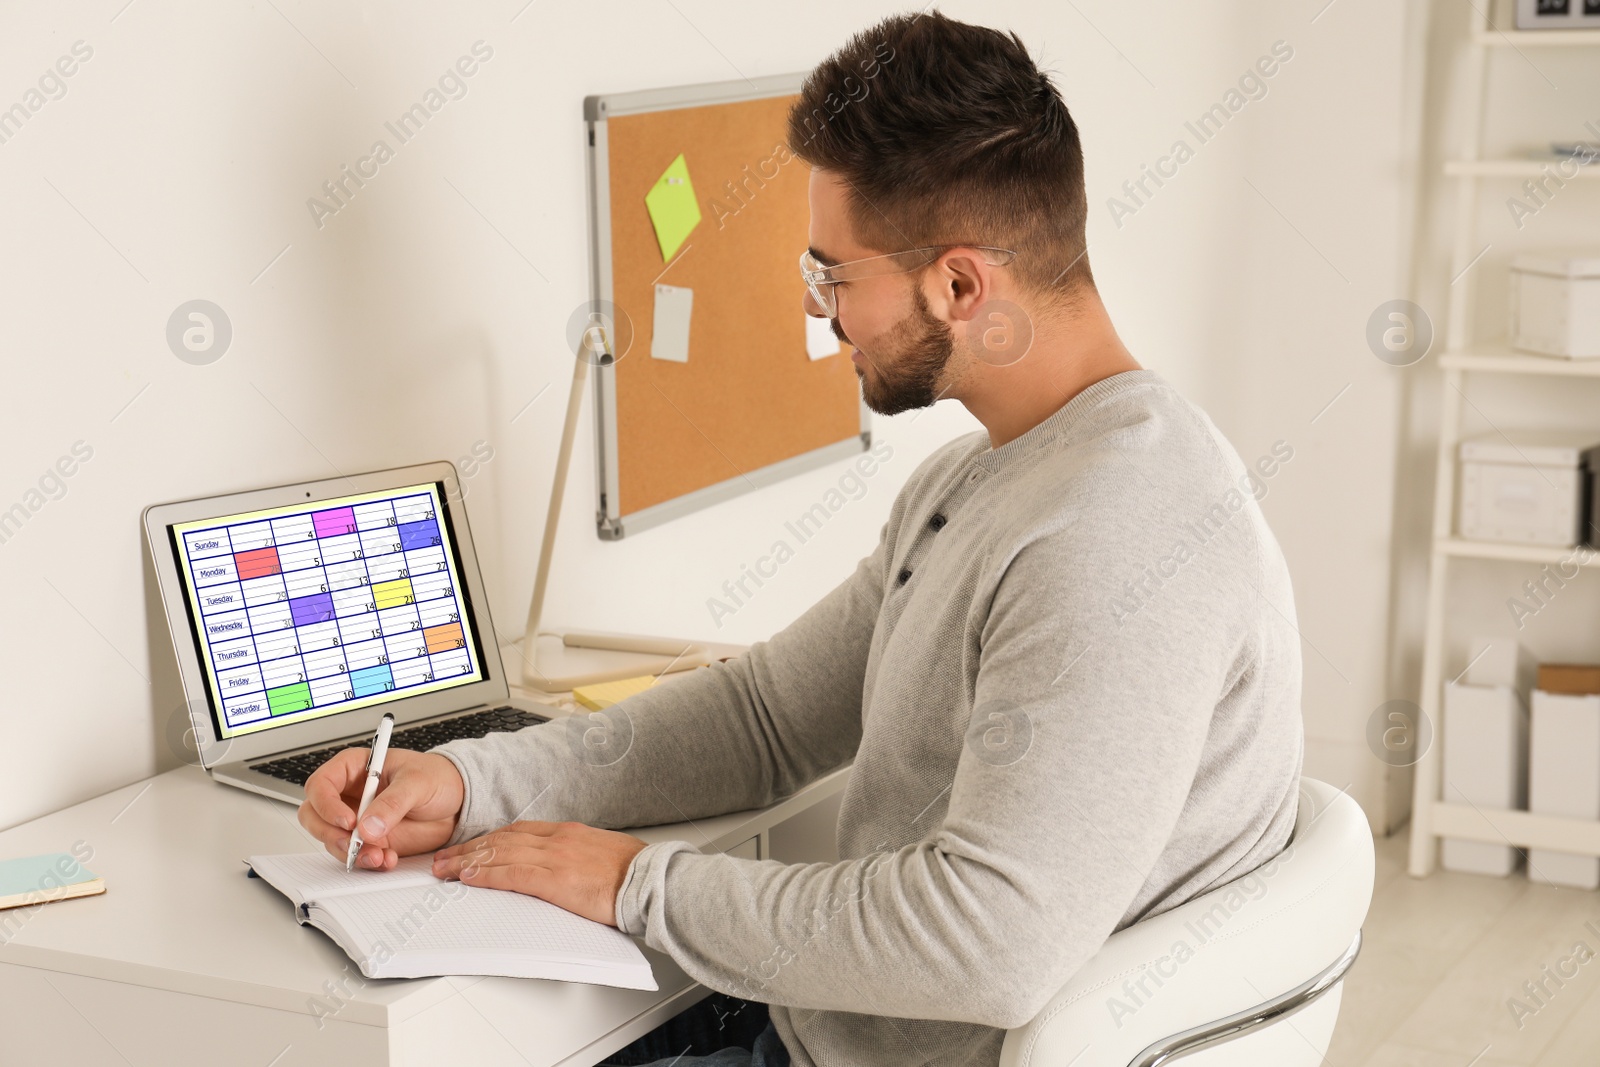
{"x":301,"y":614}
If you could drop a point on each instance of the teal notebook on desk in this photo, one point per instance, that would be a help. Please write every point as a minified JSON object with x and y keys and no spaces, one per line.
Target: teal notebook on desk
{"x":43,"y":879}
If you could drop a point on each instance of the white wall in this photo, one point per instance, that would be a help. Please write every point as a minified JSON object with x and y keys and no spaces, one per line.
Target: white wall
{"x":420,"y":319}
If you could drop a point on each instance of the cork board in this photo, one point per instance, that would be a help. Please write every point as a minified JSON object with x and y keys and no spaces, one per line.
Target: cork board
{"x":748,"y":395}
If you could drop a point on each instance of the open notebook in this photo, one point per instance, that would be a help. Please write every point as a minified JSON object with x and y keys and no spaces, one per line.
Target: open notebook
{"x":406,"y":923}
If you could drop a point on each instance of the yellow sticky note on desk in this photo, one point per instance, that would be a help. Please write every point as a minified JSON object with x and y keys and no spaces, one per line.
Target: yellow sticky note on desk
{"x":602,"y":695}
{"x":674,"y":212}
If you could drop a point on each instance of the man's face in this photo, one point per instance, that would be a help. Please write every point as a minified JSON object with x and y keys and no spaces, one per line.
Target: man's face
{"x":901,"y":346}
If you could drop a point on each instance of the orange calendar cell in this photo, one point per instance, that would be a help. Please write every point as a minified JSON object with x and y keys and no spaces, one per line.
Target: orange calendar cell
{"x":443,"y":638}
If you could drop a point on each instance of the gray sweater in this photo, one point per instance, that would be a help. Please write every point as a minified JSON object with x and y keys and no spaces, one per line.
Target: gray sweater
{"x":1069,"y":677}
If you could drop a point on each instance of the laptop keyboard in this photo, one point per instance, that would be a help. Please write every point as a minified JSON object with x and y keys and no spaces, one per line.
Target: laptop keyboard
{"x":298,"y":768}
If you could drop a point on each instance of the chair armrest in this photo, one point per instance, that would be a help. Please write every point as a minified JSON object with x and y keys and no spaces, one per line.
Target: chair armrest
{"x":1222,"y":953}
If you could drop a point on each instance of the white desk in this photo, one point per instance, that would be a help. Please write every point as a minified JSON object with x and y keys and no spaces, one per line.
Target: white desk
{"x":185,"y":960}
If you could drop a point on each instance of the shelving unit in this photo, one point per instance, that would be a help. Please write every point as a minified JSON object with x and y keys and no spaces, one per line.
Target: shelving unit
{"x":1489,"y":37}
{"x":1516,"y":168}
{"x":1432,"y":818}
{"x":1501,"y":359}
{"x":1463,"y":549}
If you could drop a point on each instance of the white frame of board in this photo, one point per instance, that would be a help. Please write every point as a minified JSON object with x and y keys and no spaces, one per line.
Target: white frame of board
{"x":610,"y":523}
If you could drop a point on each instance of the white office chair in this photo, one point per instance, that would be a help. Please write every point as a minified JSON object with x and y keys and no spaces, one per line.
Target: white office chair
{"x":1247,"y":975}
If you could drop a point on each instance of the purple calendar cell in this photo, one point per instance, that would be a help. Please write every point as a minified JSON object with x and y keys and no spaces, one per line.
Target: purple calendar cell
{"x":424,"y":534}
{"x":318,"y":607}
{"x":334,"y":522}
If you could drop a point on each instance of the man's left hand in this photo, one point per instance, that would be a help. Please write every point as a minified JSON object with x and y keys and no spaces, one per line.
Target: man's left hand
{"x":573,"y":866}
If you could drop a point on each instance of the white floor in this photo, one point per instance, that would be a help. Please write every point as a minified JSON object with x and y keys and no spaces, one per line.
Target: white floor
{"x":1444,"y":958}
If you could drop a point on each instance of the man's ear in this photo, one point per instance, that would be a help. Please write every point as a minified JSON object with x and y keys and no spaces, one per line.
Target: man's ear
{"x":963,"y":283}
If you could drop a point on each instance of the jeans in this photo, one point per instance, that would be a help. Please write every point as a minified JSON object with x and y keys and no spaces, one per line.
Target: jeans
{"x":720,"y":1031}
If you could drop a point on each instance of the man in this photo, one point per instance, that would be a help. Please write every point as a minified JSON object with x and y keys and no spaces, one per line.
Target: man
{"x":1068,"y":674}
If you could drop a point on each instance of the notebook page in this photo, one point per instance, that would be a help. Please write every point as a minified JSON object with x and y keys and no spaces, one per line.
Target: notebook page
{"x":468,"y":925}
{"x":310,"y":876}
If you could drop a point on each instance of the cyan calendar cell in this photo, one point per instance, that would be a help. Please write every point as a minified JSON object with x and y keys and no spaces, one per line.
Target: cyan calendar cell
{"x":371,"y":680}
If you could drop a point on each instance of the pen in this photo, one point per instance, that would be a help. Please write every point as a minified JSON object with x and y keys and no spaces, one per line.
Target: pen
{"x":380,"y":749}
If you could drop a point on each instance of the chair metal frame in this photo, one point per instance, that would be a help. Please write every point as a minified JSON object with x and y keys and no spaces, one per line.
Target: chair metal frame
{"x":1250,"y":1020}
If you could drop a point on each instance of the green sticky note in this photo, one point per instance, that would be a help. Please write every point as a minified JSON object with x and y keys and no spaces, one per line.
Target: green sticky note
{"x":673,"y":209}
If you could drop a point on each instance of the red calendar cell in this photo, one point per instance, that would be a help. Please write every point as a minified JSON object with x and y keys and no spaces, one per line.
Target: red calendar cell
{"x":257,"y":563}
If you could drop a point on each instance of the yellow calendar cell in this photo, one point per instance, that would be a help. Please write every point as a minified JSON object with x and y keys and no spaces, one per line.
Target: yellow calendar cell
{"x":393,"y":594}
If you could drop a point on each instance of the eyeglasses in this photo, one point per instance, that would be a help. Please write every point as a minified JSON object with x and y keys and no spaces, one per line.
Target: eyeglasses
{"x":821,"y":279}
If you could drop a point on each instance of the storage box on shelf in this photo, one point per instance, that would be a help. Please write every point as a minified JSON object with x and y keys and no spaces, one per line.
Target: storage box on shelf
{"x":1486,"y":747}
{"x":1547,"y":16}
{"x":1564,"y":780}
{"x":1555,"y":304}
{"x":1485,"y":764}
{"x":1526,"y":488}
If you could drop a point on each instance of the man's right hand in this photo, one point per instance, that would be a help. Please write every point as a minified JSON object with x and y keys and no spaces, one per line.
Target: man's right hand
{"x":419,"y":798}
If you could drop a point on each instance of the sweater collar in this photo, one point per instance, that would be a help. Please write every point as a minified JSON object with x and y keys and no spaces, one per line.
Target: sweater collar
{"x":1061,"y":422}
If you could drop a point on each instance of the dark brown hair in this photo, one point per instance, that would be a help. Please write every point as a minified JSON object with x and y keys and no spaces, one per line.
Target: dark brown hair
{"x":949,"y":133}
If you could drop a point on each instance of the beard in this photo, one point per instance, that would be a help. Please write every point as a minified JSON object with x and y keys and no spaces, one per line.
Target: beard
{"x":907,"y":363}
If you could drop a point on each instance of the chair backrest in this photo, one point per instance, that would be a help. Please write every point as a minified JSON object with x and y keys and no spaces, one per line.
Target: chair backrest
{"x":1221,"y":953}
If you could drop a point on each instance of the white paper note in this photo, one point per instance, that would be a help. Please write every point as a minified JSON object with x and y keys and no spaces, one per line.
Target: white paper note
{"x":669,"y":338}
{"x":820,"y":341}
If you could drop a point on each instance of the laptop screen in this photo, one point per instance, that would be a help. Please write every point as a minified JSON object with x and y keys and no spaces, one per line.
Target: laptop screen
{"x":314,"y":609}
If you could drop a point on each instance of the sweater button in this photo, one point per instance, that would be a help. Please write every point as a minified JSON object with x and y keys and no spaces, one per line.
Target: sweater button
{"x":905,"y":576}
{"x":937,"y":522}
